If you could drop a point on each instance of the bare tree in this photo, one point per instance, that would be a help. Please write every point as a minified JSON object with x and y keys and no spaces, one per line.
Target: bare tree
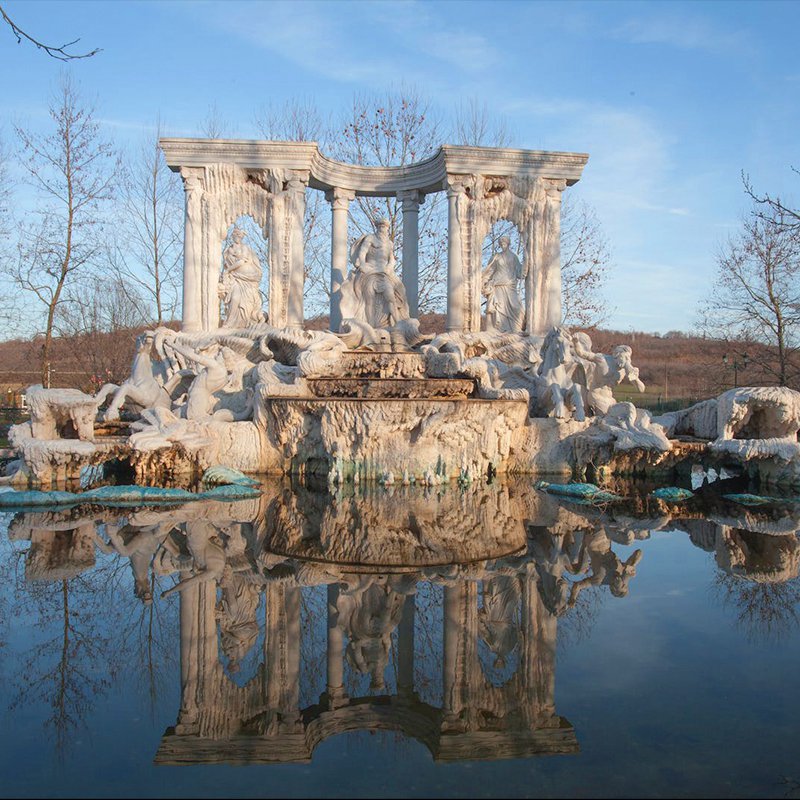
{"x":213,"y":126}
{"x":474,"y":125}
{"x":771,"y":207}
{"x":146,"y":250}
{"x":72,"y":168}
{"x":58,"y":52}
{"x":756,"y":293}
{"x":8,"y":304}
{"x":97,"y":320}
{"x":585,"y":261}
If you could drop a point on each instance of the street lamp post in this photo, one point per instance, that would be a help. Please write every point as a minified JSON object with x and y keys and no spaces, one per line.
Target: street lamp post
{"x":739,"y":361}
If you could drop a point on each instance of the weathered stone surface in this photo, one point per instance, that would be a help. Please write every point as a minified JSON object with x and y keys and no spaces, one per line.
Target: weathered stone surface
{"x":447,"y":438}
{"x":407,"y":388}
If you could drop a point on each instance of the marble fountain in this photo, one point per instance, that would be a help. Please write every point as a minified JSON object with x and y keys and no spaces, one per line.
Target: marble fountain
{"x":509,"y":391}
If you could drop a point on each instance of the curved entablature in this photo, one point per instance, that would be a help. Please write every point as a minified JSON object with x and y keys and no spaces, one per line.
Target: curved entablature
{"x":429,"y":175}
{"x":268,"y":180}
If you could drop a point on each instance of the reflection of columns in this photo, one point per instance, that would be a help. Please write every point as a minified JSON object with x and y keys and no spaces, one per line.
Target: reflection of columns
{"x":335,"y":685}
{"x":192,"y":250}
{"x":296,"y":195}
{"x":538,"y":655}
{"x":405,"y":648}
{"x":340,"y":203}
{"x":198,"y":635}
{"x":411,"y":202}
{"x":282,"y":653}
{"x":460,"y":652}
{"x":455,"y":279}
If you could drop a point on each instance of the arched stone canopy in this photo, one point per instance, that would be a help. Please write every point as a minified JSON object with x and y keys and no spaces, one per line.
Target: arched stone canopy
{"x":224,"y":178}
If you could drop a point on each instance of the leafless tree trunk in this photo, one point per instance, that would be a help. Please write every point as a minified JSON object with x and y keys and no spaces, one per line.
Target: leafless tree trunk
{"x":756,"y":294}
{"x":72,"y":169}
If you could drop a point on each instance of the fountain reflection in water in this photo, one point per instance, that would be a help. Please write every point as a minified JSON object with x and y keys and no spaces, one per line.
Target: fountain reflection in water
{"x":505,"y":561}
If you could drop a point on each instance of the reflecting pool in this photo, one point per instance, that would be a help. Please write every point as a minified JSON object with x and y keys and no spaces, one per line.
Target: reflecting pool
{"x":488,"y":640}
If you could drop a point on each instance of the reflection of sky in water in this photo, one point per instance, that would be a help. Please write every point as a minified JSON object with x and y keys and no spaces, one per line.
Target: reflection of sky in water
{"x":685,"y":686}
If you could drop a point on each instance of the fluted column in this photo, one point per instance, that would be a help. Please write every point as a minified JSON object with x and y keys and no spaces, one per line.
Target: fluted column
{"x":552,"y":255}
{"x":296,"y":191}
{"x":455,"y":276}
{"x":192,"y":249}
{"x":340,"y":206}
{"x":411,"y":202}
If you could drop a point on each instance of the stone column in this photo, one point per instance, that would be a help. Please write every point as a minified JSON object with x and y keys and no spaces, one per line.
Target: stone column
{"x":551,"y":255}
{"x":411,"y":202}
{"x":455,"y":277}
{"x":192,"y":250}
{"x":340,"y":205}
{"x":296,"y":209}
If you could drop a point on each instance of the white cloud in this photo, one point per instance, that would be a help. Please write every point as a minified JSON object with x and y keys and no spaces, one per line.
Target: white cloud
{"x":684,"y":32}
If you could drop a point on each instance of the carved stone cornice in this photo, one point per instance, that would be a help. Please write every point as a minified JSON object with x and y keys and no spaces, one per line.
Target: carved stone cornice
{"x":430,"y":175}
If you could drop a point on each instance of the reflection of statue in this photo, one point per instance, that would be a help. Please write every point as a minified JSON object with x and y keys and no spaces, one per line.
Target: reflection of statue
{"x":239,"y":286}
{"x":236,"y":611}
{"x":369,"y":611}
{"x":504,"y":311}
{"x":498,"y":620}
{"x":372,"y":292}
{"x":606,"y":567}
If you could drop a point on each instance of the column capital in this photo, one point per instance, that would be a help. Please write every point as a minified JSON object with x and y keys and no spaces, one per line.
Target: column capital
{"x":554,"y":186}
{"x":454,"y":185}
{"x":297,"y":180}
{"x":411,"y":200}
{"x":340,"y":198}
{"x":193,"y":178}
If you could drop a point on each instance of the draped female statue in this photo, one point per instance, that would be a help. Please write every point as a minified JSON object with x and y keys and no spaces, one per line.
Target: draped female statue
{"x":372,"y":292}
{"x":504,"y":312}
{"x":240,"y":284}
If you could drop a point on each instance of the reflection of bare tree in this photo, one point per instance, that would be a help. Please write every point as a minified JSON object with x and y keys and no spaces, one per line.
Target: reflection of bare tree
{"x":60,"y":670}
{"x":764,"y":610}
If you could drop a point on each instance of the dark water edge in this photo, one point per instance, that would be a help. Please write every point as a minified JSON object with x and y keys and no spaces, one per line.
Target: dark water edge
{"x":684,"y":686}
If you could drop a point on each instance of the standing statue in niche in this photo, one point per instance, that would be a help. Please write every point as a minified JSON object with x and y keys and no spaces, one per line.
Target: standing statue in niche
{"x":372,"y":293}
{"x":240,"y":284}
{"x":504,"y":312}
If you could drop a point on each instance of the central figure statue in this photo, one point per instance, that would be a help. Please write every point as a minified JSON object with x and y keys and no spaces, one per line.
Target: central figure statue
{"x":372,"y":292}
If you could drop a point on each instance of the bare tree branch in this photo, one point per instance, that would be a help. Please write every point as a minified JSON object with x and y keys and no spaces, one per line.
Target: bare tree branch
{"x":59,"y":53}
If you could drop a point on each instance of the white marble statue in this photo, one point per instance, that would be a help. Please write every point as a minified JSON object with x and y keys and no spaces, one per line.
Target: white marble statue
{"x":562,"y":394}
{"x":602,"y":372}
{"x":504,"y":312}
{"x":372,"y":292}
{"x":240,"y":284}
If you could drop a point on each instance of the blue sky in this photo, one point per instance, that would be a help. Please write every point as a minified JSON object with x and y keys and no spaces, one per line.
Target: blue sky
{"x":671,"y":100}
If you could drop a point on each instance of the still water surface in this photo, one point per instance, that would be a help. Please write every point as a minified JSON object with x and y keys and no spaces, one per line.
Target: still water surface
{"x":492,"y":641}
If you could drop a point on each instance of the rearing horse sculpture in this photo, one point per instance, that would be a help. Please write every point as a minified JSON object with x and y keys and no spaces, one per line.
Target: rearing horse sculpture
{"x":556,"y":371}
